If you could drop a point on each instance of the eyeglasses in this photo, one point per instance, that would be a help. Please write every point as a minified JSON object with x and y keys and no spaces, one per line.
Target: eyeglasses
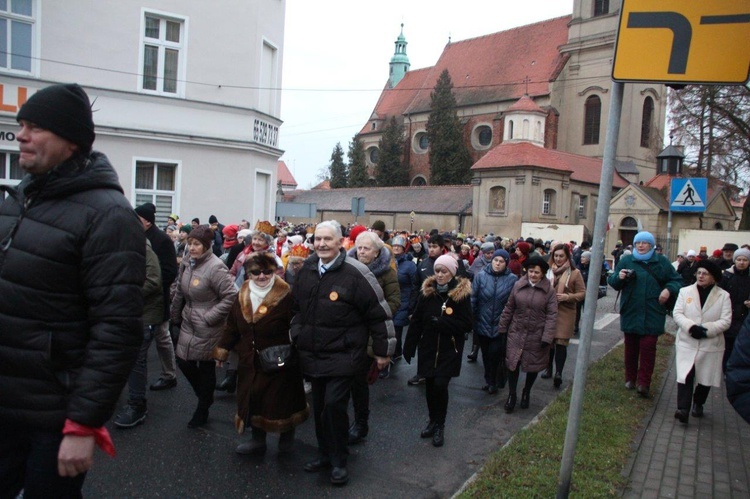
{"x":701,"y":272}
{"x":257,"y":272}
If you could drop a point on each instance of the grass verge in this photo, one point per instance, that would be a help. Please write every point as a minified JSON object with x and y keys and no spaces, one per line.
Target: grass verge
{"x":529,"y":466}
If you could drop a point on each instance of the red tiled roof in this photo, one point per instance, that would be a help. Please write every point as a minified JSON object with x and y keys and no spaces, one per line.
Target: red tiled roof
{"x":519,"y":154}
{"x":490,"y":68}
{"x":285,"y":176}
{"x":324,"y":185}
{"x":525,"y":104}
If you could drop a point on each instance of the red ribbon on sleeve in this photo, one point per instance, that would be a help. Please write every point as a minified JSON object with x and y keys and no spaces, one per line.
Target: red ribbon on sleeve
{"x":101,"y":435}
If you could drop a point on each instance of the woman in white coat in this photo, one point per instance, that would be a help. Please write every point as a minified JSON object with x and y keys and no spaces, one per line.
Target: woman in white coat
{"x":703,"y":312}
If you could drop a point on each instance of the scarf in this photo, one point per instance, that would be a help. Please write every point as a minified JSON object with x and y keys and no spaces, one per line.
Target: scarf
{"x":644,"y":257}
{"x":561,"y":276}
{"x":258,"y":294}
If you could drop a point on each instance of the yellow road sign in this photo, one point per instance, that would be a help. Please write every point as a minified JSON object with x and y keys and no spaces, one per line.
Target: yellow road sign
{"x":683,"y":41}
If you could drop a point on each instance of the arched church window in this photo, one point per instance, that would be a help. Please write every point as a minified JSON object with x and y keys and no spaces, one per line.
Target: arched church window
{"x":592,"y":120}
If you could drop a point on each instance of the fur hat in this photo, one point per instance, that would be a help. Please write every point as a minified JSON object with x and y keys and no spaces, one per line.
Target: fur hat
{"x":203,"y":234}
{"x":711,"y":267}
{"x":64,"y":110}
{"x":147,"y":211}
{"x":537,"y":261}
{"x":448,"y":262}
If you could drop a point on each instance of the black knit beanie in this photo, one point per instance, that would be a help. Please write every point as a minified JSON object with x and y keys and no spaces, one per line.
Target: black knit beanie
{"x":64,"y":110}
{"x":147,"y":211}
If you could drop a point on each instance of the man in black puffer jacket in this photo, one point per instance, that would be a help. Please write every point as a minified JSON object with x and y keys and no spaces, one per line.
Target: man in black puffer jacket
{"x":338,"y":306}
{"x":72,"y":264}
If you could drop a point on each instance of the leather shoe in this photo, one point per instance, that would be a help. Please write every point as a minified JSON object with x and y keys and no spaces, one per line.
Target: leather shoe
{"x":492,"y":389}
{"x":317,"y":465}
{"x":642,"y":391}
{"x":697,"y":410}
{"x":525,"y":399}
{"x":357,"y":432}
{"x":629,"y":385}
{"x":558,"y":380}
{"x":510,"y":404}
{"x":339,"y":476}
{"x":681,"y":415}
{"x":200,"y":418}
{"x":163,"y":384}
{"x":429,"y":430}
{"x":439,"y":437}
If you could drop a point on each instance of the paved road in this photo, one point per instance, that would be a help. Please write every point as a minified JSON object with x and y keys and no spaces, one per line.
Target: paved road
{"x":163,"y":458}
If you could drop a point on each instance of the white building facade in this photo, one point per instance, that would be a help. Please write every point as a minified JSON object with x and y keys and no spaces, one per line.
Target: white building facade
{"x":185,"y":94}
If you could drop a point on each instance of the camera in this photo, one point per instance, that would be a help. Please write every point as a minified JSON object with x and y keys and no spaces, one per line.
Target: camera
{"x":629,"y":274}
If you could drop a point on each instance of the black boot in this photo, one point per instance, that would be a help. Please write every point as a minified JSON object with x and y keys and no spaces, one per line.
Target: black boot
{"x":510,"y":404}
{"x":429,"y":430}
{"x":438,"y":438}
{"x":474,"y":352}
{"x":286,"y":441}
{"x":525,"y":399}
{"x":229,"y":383}
{"x":358,"y":431}
{"x":558,"y":380}
{"x":256,"y":446}
{"x":200,"y":418}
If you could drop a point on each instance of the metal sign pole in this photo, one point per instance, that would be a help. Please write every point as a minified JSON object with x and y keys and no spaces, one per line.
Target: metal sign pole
{"x":592,"y":291}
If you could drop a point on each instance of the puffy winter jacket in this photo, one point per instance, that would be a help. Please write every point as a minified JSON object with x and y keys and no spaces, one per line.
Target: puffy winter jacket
{"x":489,"y":294}
{"x":72,"y":265}
{"x":334,"y":316}
{"x":207,"y":292}
{"x":407,"y":277}
{"x":738,"y":372}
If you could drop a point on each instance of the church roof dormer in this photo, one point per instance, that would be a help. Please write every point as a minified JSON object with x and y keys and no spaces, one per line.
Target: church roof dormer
{"x":400,"y":61}
{"x":525,"y":122}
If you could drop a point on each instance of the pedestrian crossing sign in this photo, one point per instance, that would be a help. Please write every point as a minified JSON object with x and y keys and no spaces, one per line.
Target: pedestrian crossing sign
{"x":688,"y":194}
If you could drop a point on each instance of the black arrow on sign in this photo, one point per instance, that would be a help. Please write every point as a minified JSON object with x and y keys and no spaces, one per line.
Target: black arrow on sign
{"x":682,"y":33}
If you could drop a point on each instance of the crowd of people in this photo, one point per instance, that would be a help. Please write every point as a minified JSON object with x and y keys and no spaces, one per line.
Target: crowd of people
{"x":278,"y":306}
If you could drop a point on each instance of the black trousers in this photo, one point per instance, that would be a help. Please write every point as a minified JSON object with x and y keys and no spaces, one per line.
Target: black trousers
{"x":361,"y":397}
{"x":686,"y":395}
{"x":493,"y":358}
{"x":330,"y":396}
{"x":28,"y":461}
{"x":436,"y":391}
{"x":201,"y":374}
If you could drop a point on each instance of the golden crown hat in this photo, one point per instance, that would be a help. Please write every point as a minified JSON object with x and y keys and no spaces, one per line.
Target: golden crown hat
{"x":310,"y":230}
{"x":265,"y":227}
{"x":299,"y":250}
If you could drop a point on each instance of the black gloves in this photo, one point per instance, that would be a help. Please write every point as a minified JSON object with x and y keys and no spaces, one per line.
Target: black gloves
{"x":698,"y":332}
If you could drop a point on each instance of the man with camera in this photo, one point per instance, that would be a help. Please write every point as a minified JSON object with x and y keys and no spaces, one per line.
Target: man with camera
{"x":647,"y":281}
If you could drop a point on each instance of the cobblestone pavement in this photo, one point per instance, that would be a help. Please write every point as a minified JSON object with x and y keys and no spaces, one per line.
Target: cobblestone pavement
{"x":708,"y":457}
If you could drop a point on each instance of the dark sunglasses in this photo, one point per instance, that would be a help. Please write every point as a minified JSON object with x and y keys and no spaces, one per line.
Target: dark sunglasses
{"x":264,"y":272}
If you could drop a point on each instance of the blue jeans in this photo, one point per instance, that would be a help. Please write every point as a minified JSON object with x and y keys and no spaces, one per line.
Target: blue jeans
{"x":137,"y":378}
{"x":28,"y":461}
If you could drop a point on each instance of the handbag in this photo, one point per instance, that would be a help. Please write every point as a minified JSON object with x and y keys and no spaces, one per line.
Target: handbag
{"x":274,"y":359}
{"x":602,"y":292}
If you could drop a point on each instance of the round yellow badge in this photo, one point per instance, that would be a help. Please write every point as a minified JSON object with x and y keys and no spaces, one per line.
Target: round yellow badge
{"x":262,"y":309}
{"x":689,"y":300}
{"x":333,"y":296}
{"x":196,"y":282}
{"x":448,"y":311}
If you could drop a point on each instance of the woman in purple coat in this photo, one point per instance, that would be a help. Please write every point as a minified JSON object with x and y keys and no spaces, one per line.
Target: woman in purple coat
{"x":530,"y":320}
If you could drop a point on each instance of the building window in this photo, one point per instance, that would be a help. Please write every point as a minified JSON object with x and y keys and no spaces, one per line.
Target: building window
{"x":268,"y":93}
{"x":418,"y":181}
{"x":163,"y":54}
{"x":593,"y":112}
{"x":583,"y":202}
{"x":646,"y":120}
{"x":497,"y":199}
{"x":484,"y":135}
{"x":510,"y":130}
{"x":11,"y":172}
{"x":548,"y":202}
{"x":601,"y":7}
{"x":16,"y":35}
{"x":373,"y":154}
{"x":421,"y":143}
{"x":156,"y":183}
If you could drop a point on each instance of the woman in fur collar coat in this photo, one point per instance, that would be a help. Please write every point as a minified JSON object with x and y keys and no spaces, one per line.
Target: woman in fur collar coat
{"x":440,"y":320}
{"x":260,"y":317}
{"x":703,"y":312}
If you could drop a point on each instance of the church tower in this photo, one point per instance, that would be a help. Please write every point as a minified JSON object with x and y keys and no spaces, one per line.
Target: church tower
{"x":399,"y":62}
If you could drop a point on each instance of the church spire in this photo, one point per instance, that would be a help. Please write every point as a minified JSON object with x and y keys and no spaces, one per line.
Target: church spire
{"x":399,"y":62}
